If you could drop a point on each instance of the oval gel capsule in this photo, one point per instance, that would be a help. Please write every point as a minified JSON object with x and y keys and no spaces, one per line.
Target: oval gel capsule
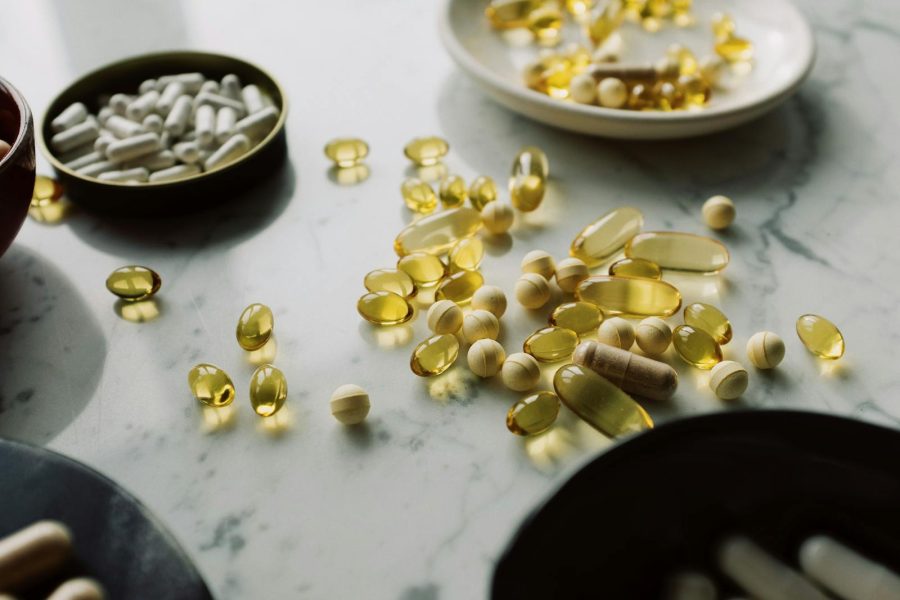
{"x":630,"y":296}
{"x":679,"y":251}
{"x":384,"y":308}
{"x":607,"y":235}
{"x":435,"y":355}
{"x":255,"y":326}
{"x":133,"y":283}
{"x":533,"y":414}
{"x":551,"y":344}
{"x":268,"y":390}
{"x":211,"y":385}
{"x":436,"y":234}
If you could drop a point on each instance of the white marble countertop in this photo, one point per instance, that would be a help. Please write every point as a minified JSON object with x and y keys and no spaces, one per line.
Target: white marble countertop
{"x":418,"y":504}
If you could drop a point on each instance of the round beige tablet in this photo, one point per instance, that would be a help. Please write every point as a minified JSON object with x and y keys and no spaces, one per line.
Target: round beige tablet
{"x":653,"y":335}
{"x":612,"y":92}
{"x":540,"y":262}
{"x":479,"y":325}
{"x":520,"y":372}
{"x":616,"y":332}
{"x":718,"y":212}
{"x":445,"y":316}
{"x":532,"y":290}
{"x":728,"y":379}
{"x":765,"y":350}
{"x":497,"y":217}
{"x":583,"y":89}
{"x":485,"y":357}
{"x":570,"y":272}
{"x":350,"y":404}
{"x":490,"y":298}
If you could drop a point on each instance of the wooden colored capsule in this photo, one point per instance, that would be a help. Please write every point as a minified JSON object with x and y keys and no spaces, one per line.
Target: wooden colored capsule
{"x":390,"y":280}
{"x":598,"y":402}
{"x":459,"y":287}
{"x":635,"y":267}
{"x":33,"y":553}
{"x":211,"y":385}
{"x":133,"y":283}
{"x":607,"y":235}
{"x":551,"y":344}
{"x":696,"y":347}
{"x":437,"y":233}
{"x":466,"y":254}
{"x":346,"y":152}
{"x":820,"y":336}
{"x":435,"y":355}
{"x":710,"y":319}
{"x":268,"y":390}
{"x":533,"y":414}
{"x":679,"y":251}
{"x":384,"y":308}
{"x":580,"y":317}
{"x":631,"y":296}
{"x":418,"y":196}
{"x":632,"y":372}
{"x":426,"y":151}
{"x":528,"y":181}
{"x":254,"y":327}
{"x":426,"y":270}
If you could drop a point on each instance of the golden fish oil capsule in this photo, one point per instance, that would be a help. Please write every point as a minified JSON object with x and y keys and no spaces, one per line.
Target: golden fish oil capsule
{"x":453,"y":191}
{"x":641,"y":97}
{"x":696,"y":347}
{"x":255,"y":326}
{"x":527,"y":182}
{"x":346,"y":152}
{"x":710,"y":319}
{"x":435,"y":355}
{"x":390,"y":280}
{"x":533,"y":414}
{"x":722,"y":26}
{"x":599,"y":403}
{"x":607,"y":235}
{"x":482,"y":191}
{"x":133,"y":283}
{"x":820,"y":336}
{"x":418,"y":196}
{"x":668,"y":96}
{"x":580,"y":317}
{"x":268,"y":390}
{"x":631,"y":296}
{"x":510,"y":14}
{"x":556,"y":80}
{"x":734,"y":49}
{"x":606,"y":22}
{"x":466,"y":254}
{"x":545,"y":23}
{"x":684,"y":58}
{"x":635,"y":267}
{"x":551,"y":344}
{"x":384,"y":308}
{"x":578,"y":8}
{"x":424,"y":269}
{"x":46,"y":190}
{"x":679,"y":251}
{"x":211,"y":385}
{"x":459,"y":287}
{"x":436,"y":234}
{"x":426,"y":151}
{"x":695,"y":90}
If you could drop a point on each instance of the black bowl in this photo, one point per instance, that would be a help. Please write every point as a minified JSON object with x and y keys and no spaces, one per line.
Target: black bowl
{"x":661,"y":502}
{"x":172,"y":197}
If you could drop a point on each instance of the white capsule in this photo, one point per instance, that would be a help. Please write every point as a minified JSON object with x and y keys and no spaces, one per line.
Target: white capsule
{"x":612,"y":92}
{"x":257,"y":125}
{"x":73,"y":115}
{"x":170,"y":94}
{"x":136,"y":175}
{"x":122,"y":128}
{"x":231,"y":87}
{"x":583,"y":89}
{"x":142,"y":106}
{"x":205,"y":124}
{"x":96,"y":168}
{"x":78,"y":135}
{"x":191,"y":81}
{"x":103,"y":141}
{"x":119,"y":103}
{"x":103,"y":114}
{"x":253,"y":99}
{"x":152,"y":123}
{"x":178,"y":118}
{"x":133,"y":147}
{"x":146,"y":86}
{"x":83,"y":161}
{"x":231,"y":150}
{"x":218,"y":101}
{"x":210,"y":87}
{"x":174,"y":173}
{"x":187,"y":152}
{"x":226,"y":118}
{"x":845,"y":572}
{"x":75,"y":153}
{"x":153,"y":162}
{"x":761,"y":575}
{"x":165,"y":139}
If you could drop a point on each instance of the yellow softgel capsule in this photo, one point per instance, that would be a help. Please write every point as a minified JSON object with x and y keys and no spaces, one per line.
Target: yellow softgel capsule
{"x":679,"y":251}
{"x":579,"y":7}
{"x":696,"y":347}
{"x":734,"y":49}
{"x":482,"y":191}
{"x":466,"y":254}
{"x":424,"y":269}
{"x":133,"y":283}
{"x":268,"y":390}
{"x":722,"y":25}
{"x":551,"y":344}
{"x":211,"y":385}
{"x":533,"y":414}
{"x":546,"y":24}
{"x":418,"y":196}
{"x":426,"y":151}
{"x":635,"y":267}
{"x":607,"y":235}
{"x":580,"y":317}
{"x":710,"y":319}
{"x":695,"y":89}
{"x":606,"y":22}
{"x":630,"y":296}
{"x":684,"y":58}
{"x":459,"y":287}
{"x":384,"y":308}
{"x":254,"y":327}
{"x":510,"y":14}
{"x":390,"y":280}
{"x":599,"y":403}
{"x":346,"y":152}
{"x":435,"y":355}
{"x":528,"y":180}
{"x":436,"y":234}
{"x":820,"y":336}
{"x":46,"y":191}
{"x":453,"y":191}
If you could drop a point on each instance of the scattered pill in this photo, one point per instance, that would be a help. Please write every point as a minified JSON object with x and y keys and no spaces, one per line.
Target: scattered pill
{"x":631,"y":296}
{"x":268,"y":390}
{"x":583,"y":89}
{"x":653,"y":335}
{"x":384,"y":308}
{"x":390,"y":280}
{"x":133,"y":283}
{"x":46,"y":189}
{"x":710,"y":319}
{"x":485,"y":357}
{"x":466,"y":254}
{"x":75,"y":136}
{"x":728,"y":379}
{"x":598,"y":402}
{"x":426,"y":270}
{"x":607,"y":235}
{"x":616,"y":332}
{"x":230,"y":151}
{"x":570,"y":272}
{"x":211,"y":385}
{"x":453,"y":192}
{"x":497,"y":217}
{"x":580,"y":317}
{"x":718,"y":212}
{"x":679,"y":251}
{"x":635,"y":267}
{"x":532,"y":291}
{"x":765,"y":350}
{"x":820,"y":336}
{"x":479,"y":325}
{"x":135,"y":175}
{"x":436,"y":234}
{"x":482,"y":192}
{"x":696,"y":347}
{"x":255,"y":327}
{"x":490,"y":298}
{"x":174,"y":173}
{"x":632,"y":372}
{"x":435,"y":355}
{"x":520,"y":372}
{"x":540,"y":262}
{"x":551,"y":344}
{"x":611,"y":92}
{"x":533,"y":414}
{"x":70,"y":116}
{"x":445,"y":316}
{"x":346,"y":152}
{"x":528,"y":180}
{"x":459,"y":287}
{"x":350,"y":404}
{"x":426,"y":151}
{"x":418,"y":196}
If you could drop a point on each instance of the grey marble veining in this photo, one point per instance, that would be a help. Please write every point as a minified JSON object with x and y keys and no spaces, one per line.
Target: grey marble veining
{"x":417,"y":504}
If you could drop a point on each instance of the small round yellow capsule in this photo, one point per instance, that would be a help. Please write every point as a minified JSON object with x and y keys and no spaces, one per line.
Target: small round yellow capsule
{"x":533,"y":414}
{"x":453,"y":191}
{"x":435,"y":355}
{"x":551,"y":344}
{"x":482,"y":191}
{"x":268,"y":390}
{"x":459,"y":287}
{"x":497,"y":217}
{"x":418,"y":196}
{"x":580,"y":317}
{"x":527,"y":183}
{"x":346,"y":152}
{"x":445,"y":316}
{"x":635,"y":267}
{"x":466,"y":254}
{"x":133,"y":283}
{"x":546,"y":23}
{"x":820,"y":336}
{"x":390,"y":280}
{"x":426,"y":151}
{"x":46,"y":191}
{"x":211,"y":385}
{"x":696,"y":347}
{"x":710,"y":319}
{"x":254,"y":327}
{"x":384,"y":308}
{"x":424,"y":269}
{"x":718,"y":212}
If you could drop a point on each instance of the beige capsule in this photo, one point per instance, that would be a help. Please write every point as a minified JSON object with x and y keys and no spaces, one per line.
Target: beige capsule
{"x":485,"y":357}
{"x":350,"y":404}
{"x":490,"y":298}
{"x":540,"y":262}
{"x":532,"y":291}
{"x":632,"y":372}
{"x":570,"y":272}
{"x":653,"y":335}
{"x":445,"y":316}
{"x":520,"y":372}
{"x":765,"y":350}
{"x":616,"y":332}
{"x":728,"y":379}
{"x":718,"y":212}
{"x":479,"y":325}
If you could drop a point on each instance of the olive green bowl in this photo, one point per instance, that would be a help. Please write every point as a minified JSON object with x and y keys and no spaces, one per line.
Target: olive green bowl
{"x":170,"y":197}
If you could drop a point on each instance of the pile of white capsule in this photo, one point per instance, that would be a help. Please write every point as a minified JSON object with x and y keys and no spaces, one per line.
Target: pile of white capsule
{"x":175,"y":127}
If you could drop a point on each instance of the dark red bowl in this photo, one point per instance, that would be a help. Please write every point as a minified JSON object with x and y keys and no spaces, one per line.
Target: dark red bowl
{"x":17,"y":167}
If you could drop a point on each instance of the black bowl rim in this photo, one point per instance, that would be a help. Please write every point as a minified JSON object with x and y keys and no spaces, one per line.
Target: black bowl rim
{"x":61,"y":168}
{"x":25,"y":119}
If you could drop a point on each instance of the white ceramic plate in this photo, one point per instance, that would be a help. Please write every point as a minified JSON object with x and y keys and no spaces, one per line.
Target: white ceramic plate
{"x":784,"y":51}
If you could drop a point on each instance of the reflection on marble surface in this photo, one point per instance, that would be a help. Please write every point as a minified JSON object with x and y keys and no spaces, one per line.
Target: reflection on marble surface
{"x":418,"y":503}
